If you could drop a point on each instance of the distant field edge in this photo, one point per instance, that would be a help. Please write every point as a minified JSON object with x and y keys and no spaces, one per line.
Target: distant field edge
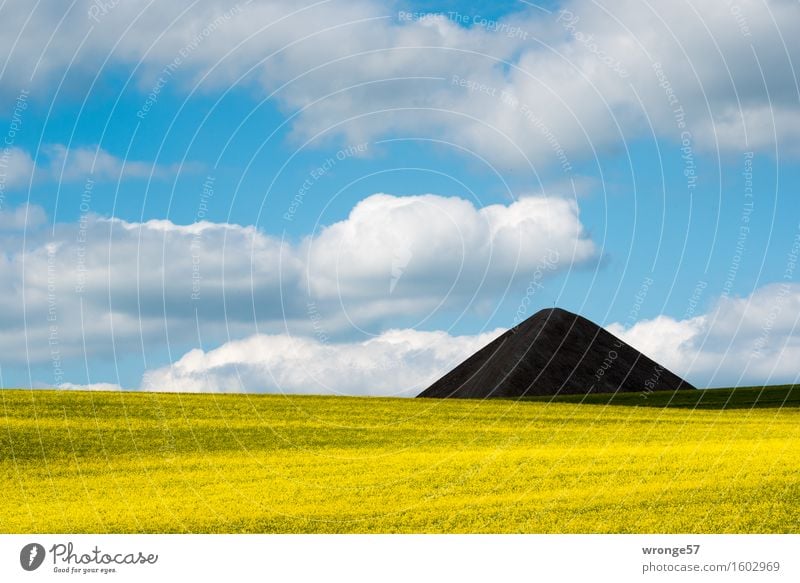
{"x":761,"y":397}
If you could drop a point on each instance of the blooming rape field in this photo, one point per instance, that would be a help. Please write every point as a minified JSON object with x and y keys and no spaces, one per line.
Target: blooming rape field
{"x":152,"y":462}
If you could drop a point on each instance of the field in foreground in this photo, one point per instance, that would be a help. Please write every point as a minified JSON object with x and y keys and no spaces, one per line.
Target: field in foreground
{"x":147,"y":462}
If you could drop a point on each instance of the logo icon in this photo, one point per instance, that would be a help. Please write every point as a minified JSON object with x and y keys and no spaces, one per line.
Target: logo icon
{"x":31,"y":556}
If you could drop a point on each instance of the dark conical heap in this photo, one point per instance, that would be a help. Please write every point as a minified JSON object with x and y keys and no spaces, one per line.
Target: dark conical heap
{"x":554,"y":352}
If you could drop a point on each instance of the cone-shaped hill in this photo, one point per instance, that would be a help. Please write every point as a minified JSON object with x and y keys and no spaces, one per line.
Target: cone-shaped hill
{"x":554,"y":352}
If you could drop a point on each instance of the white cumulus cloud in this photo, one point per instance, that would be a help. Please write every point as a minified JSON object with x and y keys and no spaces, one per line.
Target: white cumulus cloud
{"x":57,"y":162}
{"x":429,"y":243}
{"x":16,"y":167}
{"x":583,"y":79}
{"x":750,"y":340}
{"x":110,"y":286}
{"x":399,"y":363}
{"x":741,"y":341}
{"x":65,"y":164}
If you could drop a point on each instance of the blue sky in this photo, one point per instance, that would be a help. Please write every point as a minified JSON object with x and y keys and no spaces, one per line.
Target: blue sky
{"x":675,"y":231}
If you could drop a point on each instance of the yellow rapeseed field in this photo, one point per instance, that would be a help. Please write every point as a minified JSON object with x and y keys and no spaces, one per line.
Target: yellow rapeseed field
{"x":149,"y":462}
